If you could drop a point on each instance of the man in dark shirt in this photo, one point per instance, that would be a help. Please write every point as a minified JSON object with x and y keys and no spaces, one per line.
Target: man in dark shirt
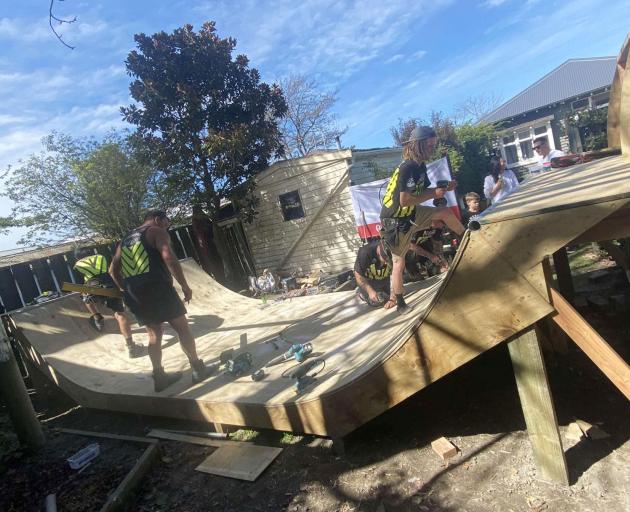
{"x":144,"y":267}
{"x":402,"y":214}
{"x":372,"y":270}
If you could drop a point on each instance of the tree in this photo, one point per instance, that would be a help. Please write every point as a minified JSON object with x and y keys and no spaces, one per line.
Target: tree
{"x":592,"y":125}
{"x":402,"y":131}
{"x":209,"y":121}
{"x":81,"y":188}
{"x":475,"y":108}
{"x":309,"y":123}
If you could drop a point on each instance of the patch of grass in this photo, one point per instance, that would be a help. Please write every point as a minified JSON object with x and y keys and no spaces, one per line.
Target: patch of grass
{"x":244,"y":435}
{"x":288,"y":438}
{"x":585,"y":257}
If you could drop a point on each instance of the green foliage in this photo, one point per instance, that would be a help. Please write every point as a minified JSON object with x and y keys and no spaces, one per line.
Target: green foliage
{"x":593,"y":125}
{"x":82,"y":188}
{"x":207,"y":119}
{"x":475,"y":149}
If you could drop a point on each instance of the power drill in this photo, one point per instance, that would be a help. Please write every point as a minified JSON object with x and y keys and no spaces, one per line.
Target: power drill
{"x":441,"y":201}
{"x":301,"y":374}
{"x":298,"y":351}
{"x":239,"y":364}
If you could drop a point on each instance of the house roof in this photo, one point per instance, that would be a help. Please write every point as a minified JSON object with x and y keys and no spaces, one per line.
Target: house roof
{"x":573,"y":78}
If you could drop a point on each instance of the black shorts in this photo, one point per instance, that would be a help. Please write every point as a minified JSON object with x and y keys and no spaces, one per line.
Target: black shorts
{"x":104,"y":281}
{"x":154,"y":303}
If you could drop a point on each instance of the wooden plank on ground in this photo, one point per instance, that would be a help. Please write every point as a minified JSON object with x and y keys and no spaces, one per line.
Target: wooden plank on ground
{"x":537,"y":404}
{"x":118,"y":499}
{"x":593,"y":345}
{"x":245,"y":461}
{"x":106,"y":435}
{"x":203,"y":441}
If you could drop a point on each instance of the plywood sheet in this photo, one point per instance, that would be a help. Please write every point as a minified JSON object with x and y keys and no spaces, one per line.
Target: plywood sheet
{"x":245,"y":462}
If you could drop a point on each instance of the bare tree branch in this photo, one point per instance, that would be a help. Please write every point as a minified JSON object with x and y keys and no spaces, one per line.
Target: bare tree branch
{"x":309,"y":123}
{"x":475,"y":108}
{"x":60,"y":21}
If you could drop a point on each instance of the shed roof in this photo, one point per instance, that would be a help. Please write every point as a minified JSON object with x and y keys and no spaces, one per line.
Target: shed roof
{"x":573,"y":78}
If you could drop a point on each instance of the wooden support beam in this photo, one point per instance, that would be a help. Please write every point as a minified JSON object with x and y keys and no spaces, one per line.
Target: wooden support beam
{"x":15,"y":396}
{"x":563,"y":273}
{"x":556,"y":337}
{"x":537,"y":404}
{"x":593,"y":345}
{"x":615,"y":226}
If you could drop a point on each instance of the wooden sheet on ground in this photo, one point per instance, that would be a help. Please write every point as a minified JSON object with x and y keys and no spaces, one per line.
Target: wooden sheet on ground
{"x":245,"y":462}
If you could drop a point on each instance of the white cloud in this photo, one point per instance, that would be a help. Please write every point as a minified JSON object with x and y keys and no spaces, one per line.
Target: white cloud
{"x":493,"y":3}
{"x":23,"y":30}
{"x":322,"y":36}
{"x":394,"y":58}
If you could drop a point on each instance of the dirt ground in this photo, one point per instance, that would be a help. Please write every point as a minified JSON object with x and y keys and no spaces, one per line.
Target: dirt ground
{"x":388,"y":465}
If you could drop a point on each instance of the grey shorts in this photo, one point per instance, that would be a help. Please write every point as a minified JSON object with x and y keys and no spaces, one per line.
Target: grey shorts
{"x":399,"y":236}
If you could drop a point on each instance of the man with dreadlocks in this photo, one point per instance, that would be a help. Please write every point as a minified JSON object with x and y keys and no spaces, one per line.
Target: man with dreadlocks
{"x":402,"y":214}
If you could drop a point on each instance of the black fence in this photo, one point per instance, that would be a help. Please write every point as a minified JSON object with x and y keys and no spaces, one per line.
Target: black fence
{"x":21,"y":283}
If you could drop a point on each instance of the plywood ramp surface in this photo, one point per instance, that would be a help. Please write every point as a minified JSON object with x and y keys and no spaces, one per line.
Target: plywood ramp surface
{"x":374,"y":357}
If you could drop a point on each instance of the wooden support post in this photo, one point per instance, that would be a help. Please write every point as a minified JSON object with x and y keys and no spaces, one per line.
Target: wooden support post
{"x":16,"y":398}
{"x":563,"y":272}
{"x":537,"y":404}
{"x":556,"y":337}
{"x":593,"y":345}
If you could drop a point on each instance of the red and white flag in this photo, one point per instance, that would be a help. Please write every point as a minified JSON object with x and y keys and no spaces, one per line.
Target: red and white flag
{"x":368,"y":197}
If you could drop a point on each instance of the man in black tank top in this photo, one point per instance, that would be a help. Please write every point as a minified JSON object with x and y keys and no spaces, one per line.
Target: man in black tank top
{"x":143,"y":267}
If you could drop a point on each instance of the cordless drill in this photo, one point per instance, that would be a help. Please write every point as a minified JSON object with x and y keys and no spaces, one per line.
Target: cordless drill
{"x":298,"y":351}
{"x":441,"y":201}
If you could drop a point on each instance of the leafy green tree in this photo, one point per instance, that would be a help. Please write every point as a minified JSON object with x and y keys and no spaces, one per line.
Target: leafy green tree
{"x":592,"y":125}
{"x":209,"y":121}
{"x":82,"y":188}
{"x":475,"y":148}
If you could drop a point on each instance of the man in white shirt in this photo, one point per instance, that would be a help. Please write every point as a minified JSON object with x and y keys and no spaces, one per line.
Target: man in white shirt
{"x":541,"y":146}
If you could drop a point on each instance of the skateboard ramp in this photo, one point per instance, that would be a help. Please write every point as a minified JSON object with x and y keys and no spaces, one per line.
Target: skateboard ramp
{"x":374,"y":359}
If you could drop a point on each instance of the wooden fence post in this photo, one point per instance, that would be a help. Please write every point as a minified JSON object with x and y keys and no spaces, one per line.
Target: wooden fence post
{"x":16,"y":398}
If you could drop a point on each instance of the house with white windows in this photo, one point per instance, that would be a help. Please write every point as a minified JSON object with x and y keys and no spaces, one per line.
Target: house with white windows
{"x":545,"y":106}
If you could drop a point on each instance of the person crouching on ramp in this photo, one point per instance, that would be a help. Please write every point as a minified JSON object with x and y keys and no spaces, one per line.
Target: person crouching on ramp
{"x":144,"y":266}
{"x":372,"y":271}
{"x":93,"y":268}
{"x":401,"y":212}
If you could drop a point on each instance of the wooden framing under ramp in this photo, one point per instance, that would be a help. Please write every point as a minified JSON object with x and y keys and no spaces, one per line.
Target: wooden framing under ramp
{"x":374,"y":358}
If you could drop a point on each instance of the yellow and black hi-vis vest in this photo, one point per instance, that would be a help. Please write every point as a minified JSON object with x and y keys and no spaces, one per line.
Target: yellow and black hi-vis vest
{"x":91,"y":266}
{"x":140,"y":262}
{"x":391,"y":199}
{"x":378,"y":274}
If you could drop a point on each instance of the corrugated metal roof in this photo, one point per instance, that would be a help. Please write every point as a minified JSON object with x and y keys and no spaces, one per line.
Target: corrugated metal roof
{"x":574,"y":77}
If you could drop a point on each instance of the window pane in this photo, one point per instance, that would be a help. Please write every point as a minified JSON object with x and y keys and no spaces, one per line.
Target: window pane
{"x":291,"y":205}
{"x":523,"y":135}
{"x":540,"y":130}
{"x":510,"y":154}
{"x":508,"y":138}
{"x":527,"y":150}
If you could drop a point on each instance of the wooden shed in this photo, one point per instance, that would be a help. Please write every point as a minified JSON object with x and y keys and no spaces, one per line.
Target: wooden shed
{"x":305,"y":218}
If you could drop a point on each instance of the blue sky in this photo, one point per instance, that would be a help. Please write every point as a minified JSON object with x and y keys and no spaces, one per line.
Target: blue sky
{"x":388,"y":60}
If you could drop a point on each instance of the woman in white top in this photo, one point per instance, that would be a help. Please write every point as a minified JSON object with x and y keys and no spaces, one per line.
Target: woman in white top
{"x":500,"y":183}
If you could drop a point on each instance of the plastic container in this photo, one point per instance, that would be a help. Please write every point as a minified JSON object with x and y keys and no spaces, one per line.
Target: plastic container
{"x":85,"y":455}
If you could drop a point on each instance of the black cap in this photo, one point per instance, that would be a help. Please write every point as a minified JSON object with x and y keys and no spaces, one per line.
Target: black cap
{"x":421,"y":133}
